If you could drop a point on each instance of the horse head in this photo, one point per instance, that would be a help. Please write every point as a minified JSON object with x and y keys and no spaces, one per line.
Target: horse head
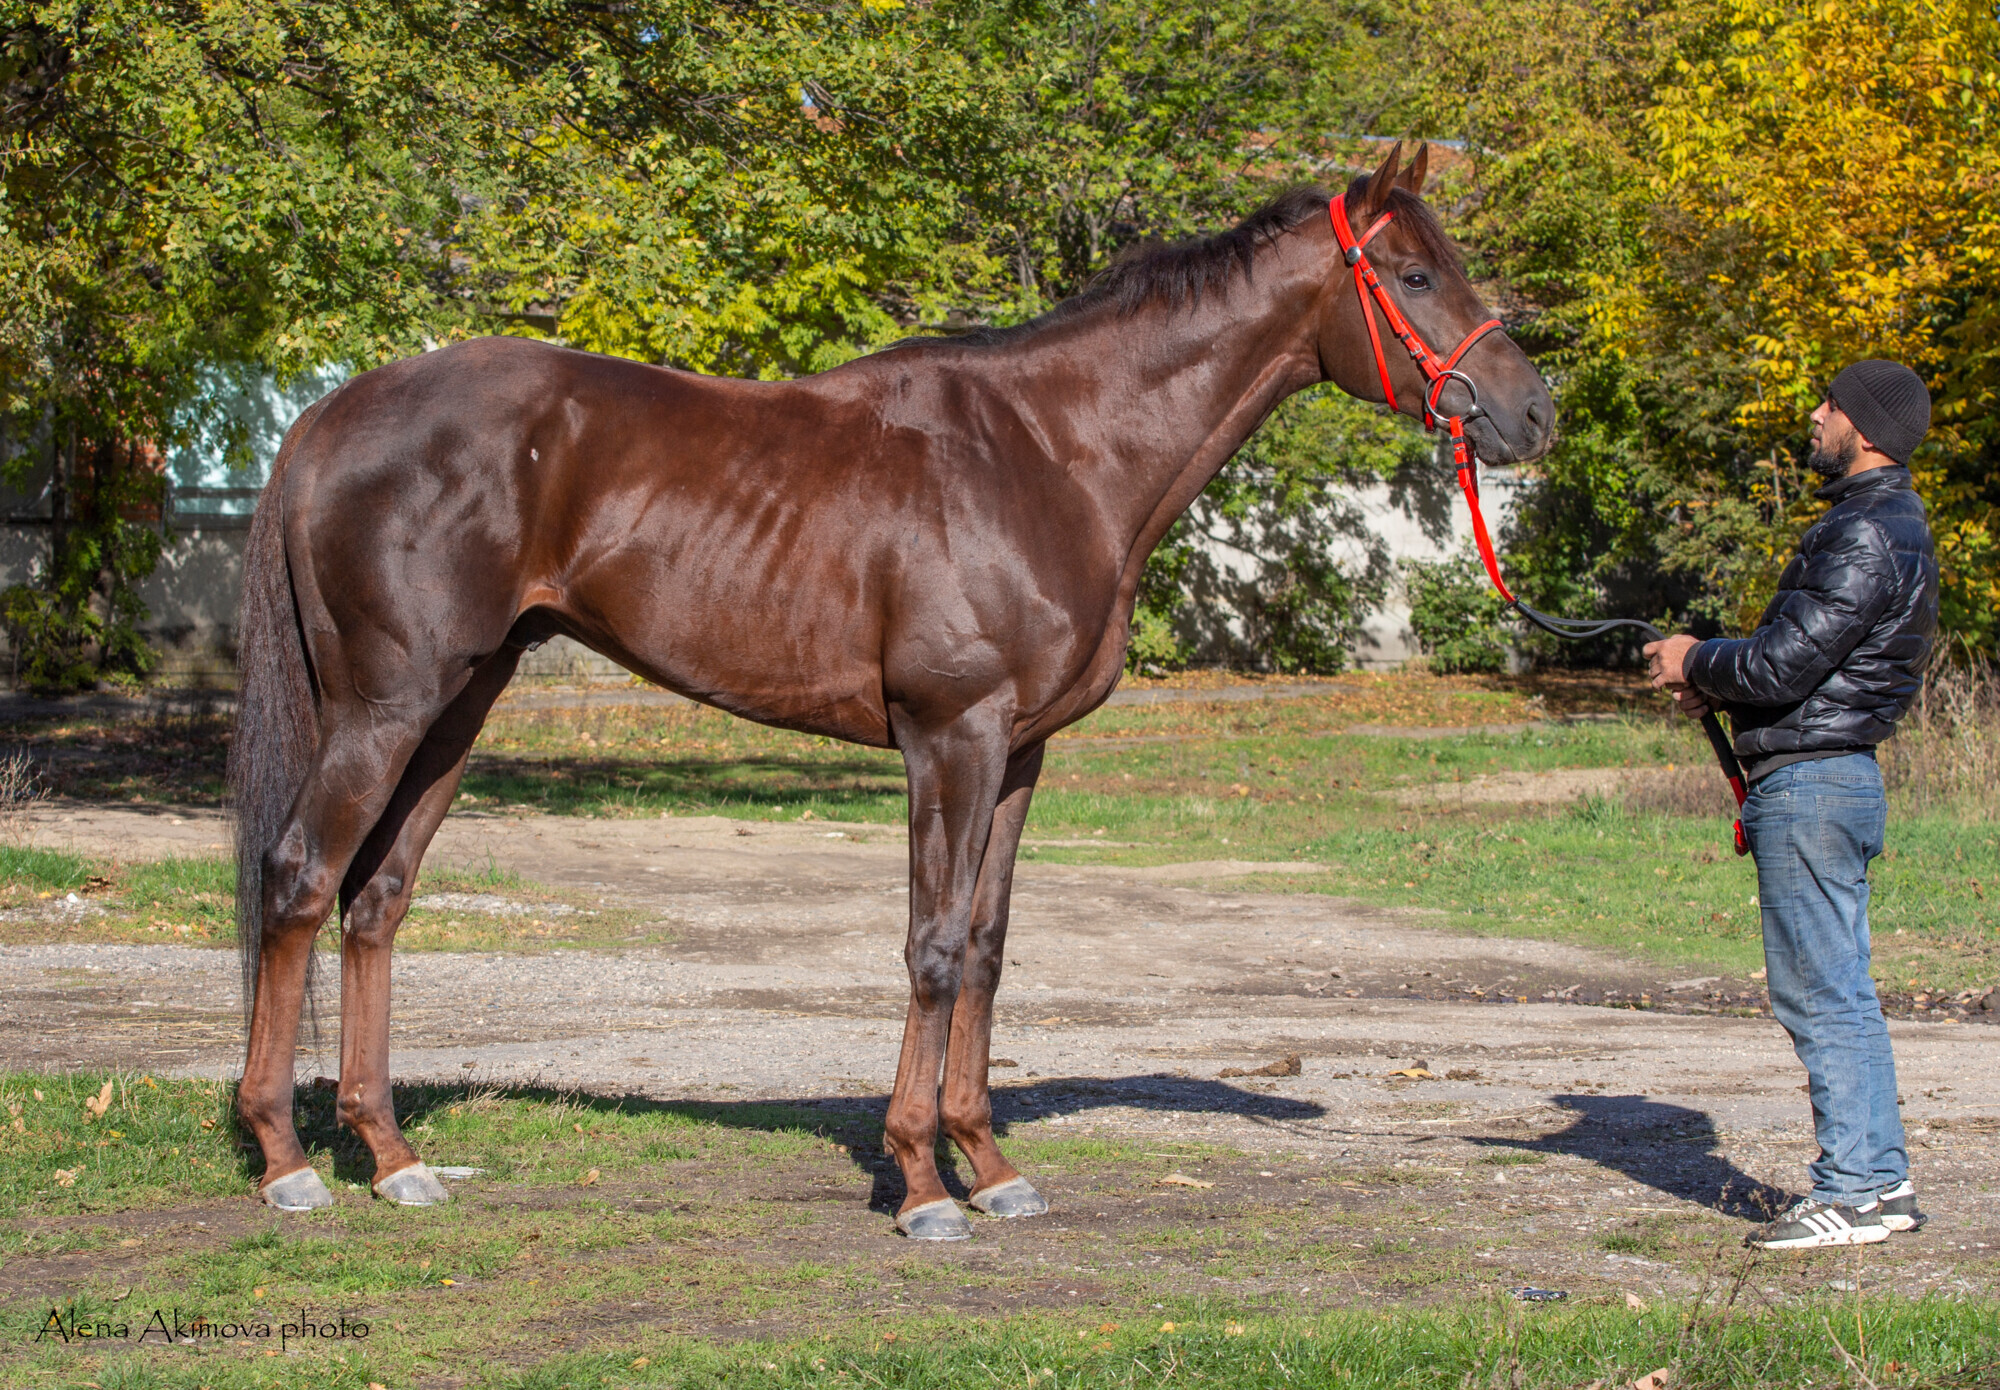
{"x":1422,"y":277}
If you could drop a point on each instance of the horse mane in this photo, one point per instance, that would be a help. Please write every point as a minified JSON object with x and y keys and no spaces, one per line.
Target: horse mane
{"x":1180,"y":273}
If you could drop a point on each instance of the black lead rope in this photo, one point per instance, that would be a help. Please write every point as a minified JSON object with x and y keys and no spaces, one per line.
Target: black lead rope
{"x":1580,"y":629}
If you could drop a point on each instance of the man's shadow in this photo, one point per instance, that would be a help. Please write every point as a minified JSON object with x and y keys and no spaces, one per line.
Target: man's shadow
{"x":1669,"y":1148}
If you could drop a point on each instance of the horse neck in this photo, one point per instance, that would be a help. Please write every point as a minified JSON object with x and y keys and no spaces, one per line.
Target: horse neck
{"x":1158,"y":423}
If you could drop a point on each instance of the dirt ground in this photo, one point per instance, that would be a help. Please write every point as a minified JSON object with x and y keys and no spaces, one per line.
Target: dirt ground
{"x":1129,"y":994}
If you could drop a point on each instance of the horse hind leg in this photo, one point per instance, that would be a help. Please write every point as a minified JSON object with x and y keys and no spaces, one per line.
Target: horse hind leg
{"x":353,"y":774}
{"x":998,"y":1188}
{"x":377,"y":894}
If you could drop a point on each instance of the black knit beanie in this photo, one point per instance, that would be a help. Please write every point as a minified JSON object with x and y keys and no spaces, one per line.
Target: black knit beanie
{"x":1887,"y":402}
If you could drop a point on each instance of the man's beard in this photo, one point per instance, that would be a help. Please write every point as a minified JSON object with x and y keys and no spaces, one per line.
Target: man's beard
{"x":1832,"y":464}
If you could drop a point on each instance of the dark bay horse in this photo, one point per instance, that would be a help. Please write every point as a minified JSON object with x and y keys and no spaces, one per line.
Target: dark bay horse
{"x":934,"y":549}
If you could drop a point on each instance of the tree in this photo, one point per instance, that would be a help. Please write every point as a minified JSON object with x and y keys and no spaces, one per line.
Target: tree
{"x":213,"y":187}
{"x":1825,"y":184}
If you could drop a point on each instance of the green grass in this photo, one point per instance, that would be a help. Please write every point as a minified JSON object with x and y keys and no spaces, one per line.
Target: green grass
{"x":705,"y":1215}
{"x":191,"y":901}
{"x":168,"y":1141}
{"x":1929,"y":1343}
{"x":42,"y":870}
{"x":159,"y":1142}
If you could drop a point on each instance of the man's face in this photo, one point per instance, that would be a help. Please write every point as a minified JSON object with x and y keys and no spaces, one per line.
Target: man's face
{"x":1836,"y":444}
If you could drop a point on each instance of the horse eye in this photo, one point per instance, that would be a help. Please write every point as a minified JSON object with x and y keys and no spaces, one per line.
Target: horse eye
{"x":1416,"y":280}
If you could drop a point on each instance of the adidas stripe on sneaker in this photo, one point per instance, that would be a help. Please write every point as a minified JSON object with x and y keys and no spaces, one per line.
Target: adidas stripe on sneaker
{"x":1813,"y":1225}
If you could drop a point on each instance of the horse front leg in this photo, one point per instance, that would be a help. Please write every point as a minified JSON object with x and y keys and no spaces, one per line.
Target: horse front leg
{"x":955,"y":774}
{"x":998,"y":1188}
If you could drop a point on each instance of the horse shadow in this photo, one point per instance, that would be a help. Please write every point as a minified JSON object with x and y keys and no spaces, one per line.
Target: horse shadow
{"x":1670,"y":1148}
{"x":855,"y":1121}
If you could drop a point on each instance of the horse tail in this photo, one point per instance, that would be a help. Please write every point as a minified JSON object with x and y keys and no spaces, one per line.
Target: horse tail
{"x":277,"y":724}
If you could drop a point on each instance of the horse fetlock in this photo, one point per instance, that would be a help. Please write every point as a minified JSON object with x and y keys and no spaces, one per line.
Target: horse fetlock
{"x":967,"y":1121}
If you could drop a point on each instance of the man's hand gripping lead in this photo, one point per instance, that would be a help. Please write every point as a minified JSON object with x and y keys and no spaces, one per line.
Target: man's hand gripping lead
{"x":1666,"y":663}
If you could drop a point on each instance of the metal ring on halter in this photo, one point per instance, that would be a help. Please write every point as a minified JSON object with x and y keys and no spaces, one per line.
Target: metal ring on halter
{"x":1471,"y":412}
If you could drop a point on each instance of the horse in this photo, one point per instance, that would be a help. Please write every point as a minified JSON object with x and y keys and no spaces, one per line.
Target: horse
{"x":933,"y":548}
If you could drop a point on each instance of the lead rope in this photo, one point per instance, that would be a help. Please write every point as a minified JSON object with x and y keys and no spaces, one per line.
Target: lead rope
{"x":1369,"y":289}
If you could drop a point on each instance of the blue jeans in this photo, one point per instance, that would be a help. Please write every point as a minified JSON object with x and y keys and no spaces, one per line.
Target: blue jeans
{"x":1814,"y":827}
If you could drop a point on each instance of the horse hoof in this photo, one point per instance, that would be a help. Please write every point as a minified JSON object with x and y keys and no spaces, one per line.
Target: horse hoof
{"x":940,"y":1220}
{"x":414,"y":1186}
{"x":300,"y":1191}
{"x":1015,"y":1197}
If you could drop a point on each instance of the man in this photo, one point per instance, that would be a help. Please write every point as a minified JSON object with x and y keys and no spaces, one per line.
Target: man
{"x":1835,"y":661}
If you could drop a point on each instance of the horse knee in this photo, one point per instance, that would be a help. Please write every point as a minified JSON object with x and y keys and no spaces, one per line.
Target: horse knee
{"x":937,"y":968}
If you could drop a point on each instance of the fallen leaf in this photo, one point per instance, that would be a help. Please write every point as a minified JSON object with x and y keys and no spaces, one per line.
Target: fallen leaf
{"x":98,"y":1103}
{"x":1183,"y":1180}
{"x":1107,"y":1328}
{"x":1654,"y":1380}
{"x":1415,"y":1073}
{"x":449,"y":1283}
{"x":1635,"y":1303}
{"x":1003,"y":1062}
{"x":588,"y":1179}
{"x":65,"y":1177}
{"x":377,"y":1385}
{"x":1166,"y":1327}
{"x":1234,"y":1329}
{"x":640,"y":1363}
{"x":1284,"y":1066}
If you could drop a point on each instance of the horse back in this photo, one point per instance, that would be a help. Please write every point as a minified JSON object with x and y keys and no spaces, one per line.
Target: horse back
{"x":800,"y":553}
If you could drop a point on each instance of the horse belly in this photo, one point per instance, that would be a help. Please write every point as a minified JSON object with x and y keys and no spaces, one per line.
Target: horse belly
{"x":797,"y":650}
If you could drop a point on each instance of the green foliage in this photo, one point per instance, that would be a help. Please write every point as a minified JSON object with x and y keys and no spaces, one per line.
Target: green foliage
{"x":78,"y":623}
{"x":1459,"y":622}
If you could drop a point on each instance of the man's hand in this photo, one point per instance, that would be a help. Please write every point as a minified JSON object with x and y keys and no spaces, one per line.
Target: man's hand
{"x":1693,"y":704}
{"x":1666,"y":663}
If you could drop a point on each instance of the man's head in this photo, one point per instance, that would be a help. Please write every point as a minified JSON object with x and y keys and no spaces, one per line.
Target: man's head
{"x":1874,"y":416}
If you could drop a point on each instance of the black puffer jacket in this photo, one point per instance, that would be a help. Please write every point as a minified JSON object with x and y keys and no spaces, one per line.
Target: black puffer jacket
{"x":1840,"y":653}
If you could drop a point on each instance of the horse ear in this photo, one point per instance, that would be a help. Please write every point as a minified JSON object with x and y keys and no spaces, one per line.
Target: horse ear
{"x":1383,"y":180}
{"x":1413,"y":177}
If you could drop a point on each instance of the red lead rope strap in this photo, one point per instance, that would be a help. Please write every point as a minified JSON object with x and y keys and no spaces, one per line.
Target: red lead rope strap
{"x":1437,"y":373}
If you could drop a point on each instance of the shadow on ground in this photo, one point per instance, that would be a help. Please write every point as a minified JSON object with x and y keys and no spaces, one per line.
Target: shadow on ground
{"x":854,"y":1121}
{"x":1669,"y":1148}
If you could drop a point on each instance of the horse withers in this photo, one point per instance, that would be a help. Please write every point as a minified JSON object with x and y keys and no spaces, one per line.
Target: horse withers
{"x":934,"y":548}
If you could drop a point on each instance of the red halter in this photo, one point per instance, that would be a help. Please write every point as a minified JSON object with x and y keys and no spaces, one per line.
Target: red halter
{"x":1437,"y":371}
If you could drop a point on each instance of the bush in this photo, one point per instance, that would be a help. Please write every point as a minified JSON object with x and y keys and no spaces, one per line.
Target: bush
{"x":1459,"y":622}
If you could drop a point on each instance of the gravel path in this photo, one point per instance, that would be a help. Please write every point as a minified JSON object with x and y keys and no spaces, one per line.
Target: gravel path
{"x":1128,"y":993}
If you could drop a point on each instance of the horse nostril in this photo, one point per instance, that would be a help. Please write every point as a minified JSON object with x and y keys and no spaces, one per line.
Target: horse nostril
{"x":1539,"y":416}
